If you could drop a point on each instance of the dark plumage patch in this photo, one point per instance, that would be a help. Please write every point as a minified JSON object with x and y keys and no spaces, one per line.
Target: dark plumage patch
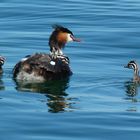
{"x":61,"y":28}
{"x":41,"y":66}
{"x":132,"y":61}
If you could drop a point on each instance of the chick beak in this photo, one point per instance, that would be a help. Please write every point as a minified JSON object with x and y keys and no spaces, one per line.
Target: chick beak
{"x":126,"y":66}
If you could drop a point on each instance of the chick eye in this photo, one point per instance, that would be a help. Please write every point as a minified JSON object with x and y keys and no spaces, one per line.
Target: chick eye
{"x":131,"y":66}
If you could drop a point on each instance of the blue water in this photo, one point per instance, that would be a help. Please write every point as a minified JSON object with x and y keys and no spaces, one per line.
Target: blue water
{"x":99,"y":102}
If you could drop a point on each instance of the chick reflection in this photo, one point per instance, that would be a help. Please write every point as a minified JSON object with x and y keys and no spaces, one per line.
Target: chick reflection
{"x":57,"y":100}
{"x":131,"y":88}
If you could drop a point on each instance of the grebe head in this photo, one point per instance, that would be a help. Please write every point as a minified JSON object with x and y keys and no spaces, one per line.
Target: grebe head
{"x":133,"y":65}
{"x":59,"y":37}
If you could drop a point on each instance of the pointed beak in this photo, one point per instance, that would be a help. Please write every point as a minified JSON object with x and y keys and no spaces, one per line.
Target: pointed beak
{"x":75,"y":39}
{"x":125,"y":66}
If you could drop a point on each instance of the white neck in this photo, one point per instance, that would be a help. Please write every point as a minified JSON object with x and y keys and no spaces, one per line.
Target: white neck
{"x":69,"y":39}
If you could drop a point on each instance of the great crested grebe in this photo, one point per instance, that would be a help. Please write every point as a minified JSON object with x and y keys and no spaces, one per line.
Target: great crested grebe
{"x":133,"y":65}
{"x":42,"y":66}
{"x":2,"y":60}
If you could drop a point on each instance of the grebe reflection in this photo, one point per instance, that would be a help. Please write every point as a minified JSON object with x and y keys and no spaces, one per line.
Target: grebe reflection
{"x":57,"y":98}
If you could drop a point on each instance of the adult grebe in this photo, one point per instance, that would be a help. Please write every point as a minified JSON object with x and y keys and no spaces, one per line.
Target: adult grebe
{"x":40,"y":67}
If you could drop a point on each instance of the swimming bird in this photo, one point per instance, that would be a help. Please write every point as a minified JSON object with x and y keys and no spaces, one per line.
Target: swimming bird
{"x":40,"y":67}
{"x":2,"y":60}
{"x":133,"y":65}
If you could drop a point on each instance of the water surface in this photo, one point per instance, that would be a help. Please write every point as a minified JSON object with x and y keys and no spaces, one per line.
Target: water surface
{"x":99,"y":101}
